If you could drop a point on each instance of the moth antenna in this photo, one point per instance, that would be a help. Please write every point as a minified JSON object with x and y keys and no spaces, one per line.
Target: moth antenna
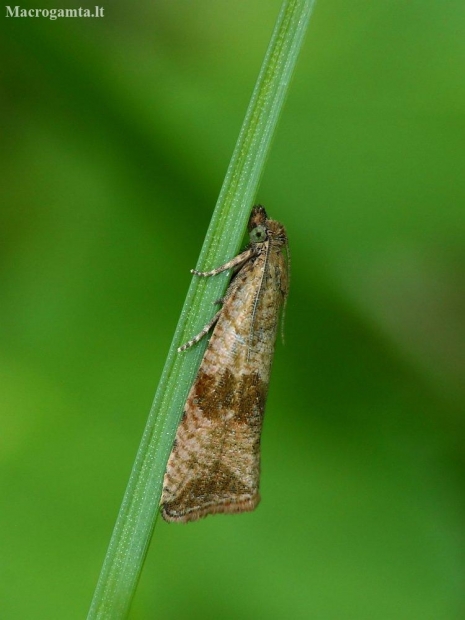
{"x":286,"y":292}
{"x":257,"y":296}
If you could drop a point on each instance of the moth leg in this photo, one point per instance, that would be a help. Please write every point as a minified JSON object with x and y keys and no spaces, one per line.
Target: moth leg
{"x":201,"y":334}
{"x":235,"y":262}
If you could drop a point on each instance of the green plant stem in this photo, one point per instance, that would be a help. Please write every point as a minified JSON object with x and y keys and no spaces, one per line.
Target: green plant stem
{"x":130,"y":540}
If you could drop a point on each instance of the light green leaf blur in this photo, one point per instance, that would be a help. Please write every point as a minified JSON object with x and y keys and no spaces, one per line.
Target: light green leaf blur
{"x":115,"y":139}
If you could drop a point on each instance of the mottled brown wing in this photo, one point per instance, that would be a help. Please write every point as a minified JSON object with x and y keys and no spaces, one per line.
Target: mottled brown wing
{"x":214,"y":466}
{"x":215,"y":463}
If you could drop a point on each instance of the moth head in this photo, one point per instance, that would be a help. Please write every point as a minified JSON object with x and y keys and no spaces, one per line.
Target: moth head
{"x":258,"y":216}
{"x":258,"y":234}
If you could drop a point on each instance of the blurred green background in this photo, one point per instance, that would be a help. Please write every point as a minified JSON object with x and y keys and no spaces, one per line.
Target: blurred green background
{"x":115,"y":138}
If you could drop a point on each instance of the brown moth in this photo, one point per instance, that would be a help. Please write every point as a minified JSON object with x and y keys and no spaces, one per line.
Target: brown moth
{"x":214,"y":466}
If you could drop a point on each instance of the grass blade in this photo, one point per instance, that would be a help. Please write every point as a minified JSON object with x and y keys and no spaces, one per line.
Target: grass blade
{"x":134,"y":526}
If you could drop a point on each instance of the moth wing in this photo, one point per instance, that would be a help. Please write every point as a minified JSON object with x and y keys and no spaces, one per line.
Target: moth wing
{"x":214,"y":466}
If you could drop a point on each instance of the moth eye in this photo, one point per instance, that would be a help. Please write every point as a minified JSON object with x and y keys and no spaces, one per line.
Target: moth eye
{"x":258,"y":234}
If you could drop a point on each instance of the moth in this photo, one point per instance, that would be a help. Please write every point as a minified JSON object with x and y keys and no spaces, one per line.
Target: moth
{"x":214,"y":465}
